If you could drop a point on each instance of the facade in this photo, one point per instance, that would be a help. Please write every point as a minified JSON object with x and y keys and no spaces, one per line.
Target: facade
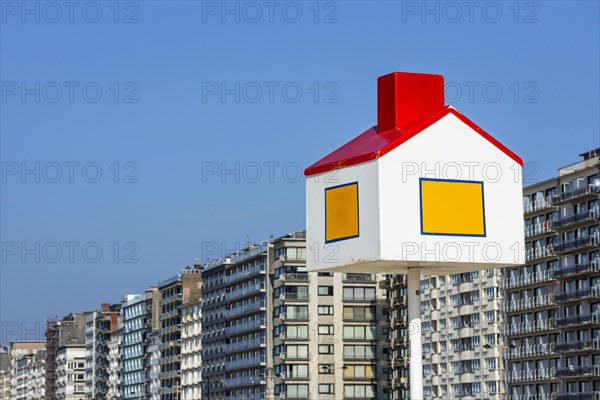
{"x":69,"y":331}
{"x":191,"y":350}
{"x":271,"y":330}
{"x":30,"y":376}
{"x":5,"y":373}
{"x":153,"y":357}
{"x":114,"y":365}
{"x":70,"y":372}
{"x":137,"y":314}
{"x":183,"y":288}
{"x":99,"y":329}
{"x":552,"y":348}
{"x":22,"y":360}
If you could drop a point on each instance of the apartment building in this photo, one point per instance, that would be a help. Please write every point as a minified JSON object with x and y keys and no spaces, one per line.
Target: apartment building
{"x":69,"y":331}
{"x":114,"y":365}
{"x":99,"y":329}
{"x":396,"y":323}
{"x":461,"y":333}
{"x":153,"y":357}
{"x":5,"y":373}
{"x":139,"y":315}
{"x":552,"y":347}
{"x":271,"y":330}
{"x":22,"y":356}
{"x":183,"y":288}
{"x":70,"y":372}
{"x":191,"y":350}
{"x":30,"y":376}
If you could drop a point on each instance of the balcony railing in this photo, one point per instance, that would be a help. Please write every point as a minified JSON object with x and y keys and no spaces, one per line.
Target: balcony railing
{"x":294,"y":317}
{"x":576,"y":396}
{"x":573,"y":194}
{"x":538,"y":204}
{"x":539,"y":252}
{"x":359,"y":278}
{"x":592,"y":266}
{"x":564,"y":247}
{"x":294,"y":297}
{"x":531,"y":302}
{"x":578,"y":345}
{"x":583,"y":370}
{"x":578,"y":294}
{"x":589,"y":215}
{"x":578,"y":320}
{"x":244,"y":381}
{"x":246,"y":362}
{"x":536,"y":374}
{"x":539,"y":228}
{"x":530,"y":350}
{"x":295,"y":277}
{"x":297,"y":356}
{"x":528,"y":279}
{"x":245,"y":291}
{"x":245,"y":345}
{"x":245,"y":327}
{"x":245,"y":274}
{"x":530,"y":326}
{"x":245,"y":309}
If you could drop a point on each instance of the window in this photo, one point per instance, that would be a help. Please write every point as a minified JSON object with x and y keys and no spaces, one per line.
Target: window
{"x":360,"y":352}
{"x":359,"y":371}
{"x":298,"y":351}
{"x":326,"y":388}
{"x":296,"y":312}
{"x":360,"y":391}
{"x":359,"y":293}
{"x":297,"y":391}
{"x":359,"y":332}
{"x":325,"y":349}
{"x":325,"y":290}
{"x":325,"y":310}
{"x":297,"y":332}
{"x":359,"y":313}
{"x":326,"y":329}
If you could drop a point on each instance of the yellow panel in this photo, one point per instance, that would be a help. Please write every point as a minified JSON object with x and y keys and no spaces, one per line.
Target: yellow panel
{"x":341,"y":212}
{"x":452,"y":208}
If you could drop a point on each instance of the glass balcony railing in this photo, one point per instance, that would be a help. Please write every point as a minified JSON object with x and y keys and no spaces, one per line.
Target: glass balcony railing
{"x":567,"y":246}
{"x":245,"y":274}
{"x":578,"y":320}
{"x":528,"y":279}
{"x":581,"y":268}
{"x":589,"y":215}
{"x":578,"y":294}
{"x":245,"y":291}
{"x":582,"y":370}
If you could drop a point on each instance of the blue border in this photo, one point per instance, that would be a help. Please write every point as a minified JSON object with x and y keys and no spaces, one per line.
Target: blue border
{"x":357,"y":206}
{"x":451,"y":180}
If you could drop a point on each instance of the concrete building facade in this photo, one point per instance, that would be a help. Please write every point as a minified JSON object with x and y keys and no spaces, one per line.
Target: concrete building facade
{"x":71,"y":372}
{"x":271,"y":330}
{"x":552,"y":345}
{"x":191,"y":350}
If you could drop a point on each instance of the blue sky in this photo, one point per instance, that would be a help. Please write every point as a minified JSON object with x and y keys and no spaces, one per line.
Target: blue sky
{"x":133,"y":114}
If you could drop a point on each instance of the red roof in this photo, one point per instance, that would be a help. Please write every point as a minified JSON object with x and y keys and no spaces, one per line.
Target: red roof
{"x":372,"y":144}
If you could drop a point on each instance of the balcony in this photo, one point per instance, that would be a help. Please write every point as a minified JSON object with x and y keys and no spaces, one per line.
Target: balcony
{"x":576,"y":244}
{"x":245,"y":327}
{"x":244,"y":274}
{"x":581,"y":319}
{"x":294,"y":317}
{"x":246,"y":291}
{"x":295,"y":277}
{"x":245,"y":345}
{"x":295,"y":376}
{"x":538,"y":205}
{"x":528,"y":375}
{"x":576,"y":396}
{"x":245,"y":309}
{"x":586,"y":216}
{"x":244,"y":381}
{"x":531,"y":302}
{"x":578,"y":194}
{"x":540,"y":252}
{"x":584,"y":370}
{"x":294,"y":297}
{"x":531,"y":278}
{"x":297,"y":356}
{"x":579,"y":294}
{"x":540,"y":228}
{"x":243,"y":363}
{"x":582,"y":268}
{"x":530,"y":326}
{"x":578,"y":345}
{"x":536,"y":350}
{"x":359,"y":278}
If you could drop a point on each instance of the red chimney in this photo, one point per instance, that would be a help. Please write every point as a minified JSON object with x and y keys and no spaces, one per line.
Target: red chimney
{"x":405,"y":97}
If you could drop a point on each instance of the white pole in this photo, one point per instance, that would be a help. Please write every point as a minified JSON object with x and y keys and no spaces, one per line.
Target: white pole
{"x":414,"y":334}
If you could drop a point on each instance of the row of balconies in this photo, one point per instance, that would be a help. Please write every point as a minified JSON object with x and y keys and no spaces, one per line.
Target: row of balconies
{"x":245,"y":291}
{"x":527,"y":375}
{"x":589,"y":215}
{"x":578,"y":294}
{"x":589,"y":190}
{"x":245,"y":327}
{"x":530,"y":302}
{"x":592,"y":266}
{"x":249,"y":308}
{"x":240,"y":275}
{"x":528,"y":279}
{"x":249,"y":362}
{"x":530,"y":326}
{"x":564,"y":247}
{"x":245,"y":345}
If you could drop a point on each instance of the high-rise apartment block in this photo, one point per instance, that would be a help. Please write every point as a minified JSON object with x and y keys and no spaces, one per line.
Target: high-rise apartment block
{"x":271,"y":330}
{"x":552,"y":346}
